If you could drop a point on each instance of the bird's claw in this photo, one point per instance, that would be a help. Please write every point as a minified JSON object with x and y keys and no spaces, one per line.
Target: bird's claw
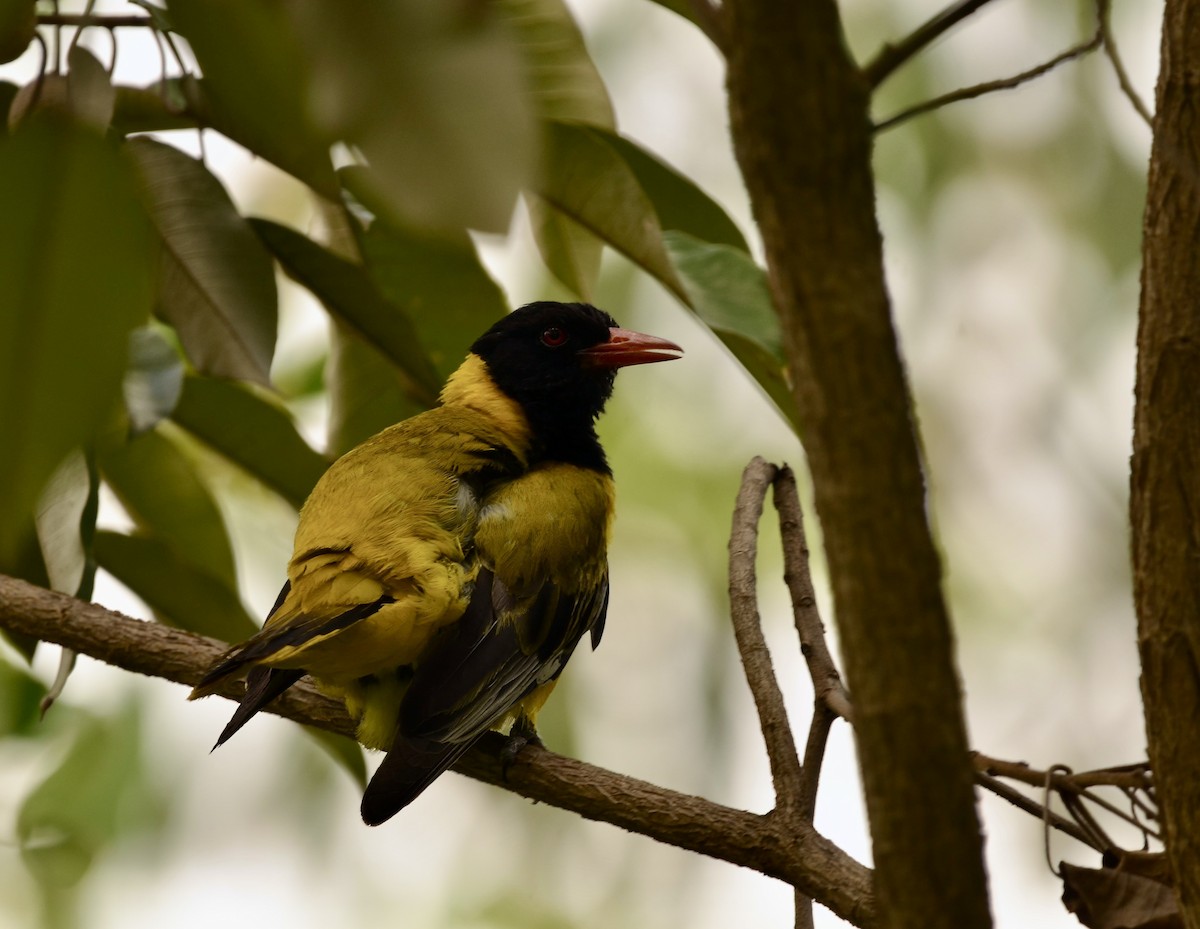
{"x":522,"y":734}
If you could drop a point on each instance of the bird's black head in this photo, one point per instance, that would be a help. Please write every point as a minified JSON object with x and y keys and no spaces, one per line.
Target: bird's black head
{"x":559,"y":362}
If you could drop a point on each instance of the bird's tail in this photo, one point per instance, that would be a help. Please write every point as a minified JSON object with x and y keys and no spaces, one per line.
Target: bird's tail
{"x":262,"y":686}
{"x":410,"y":767}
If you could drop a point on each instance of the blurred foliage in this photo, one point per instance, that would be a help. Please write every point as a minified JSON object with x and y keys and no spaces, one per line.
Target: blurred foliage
{"x":139,"y":319}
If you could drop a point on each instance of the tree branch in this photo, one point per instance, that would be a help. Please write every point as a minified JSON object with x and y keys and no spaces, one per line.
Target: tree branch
{"x":1104,"y":9}
{"x":891,"y":57}
{"x":747,"y":629}
{"x":979,"y":90}
{"x":802,"y":857}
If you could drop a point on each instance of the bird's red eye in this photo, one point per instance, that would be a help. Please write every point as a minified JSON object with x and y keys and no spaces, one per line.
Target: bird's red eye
{"x":553,"y":337}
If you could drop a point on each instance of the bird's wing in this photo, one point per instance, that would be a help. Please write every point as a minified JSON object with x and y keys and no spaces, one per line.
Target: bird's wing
{"x":500,"y":650}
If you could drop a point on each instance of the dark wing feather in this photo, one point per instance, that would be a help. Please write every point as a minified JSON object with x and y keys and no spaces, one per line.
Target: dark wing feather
{"x":411,"y":766}
{"x":490,"y":659}
{"x":262,"y":686}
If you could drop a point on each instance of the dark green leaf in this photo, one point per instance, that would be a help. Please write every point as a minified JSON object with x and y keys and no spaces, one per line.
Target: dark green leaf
{"x":440,"y":284}
{"x":570,"y":252}
{"x":728,"y":291}
{"x":153,"y":380}
{"x":25,"y":561}
{"x":8,"y":92}
{"x":71,"y":815}
{"x":151,"y":109}
{"x":257,"y":83}
{"x":679,"y":203}
{"x":351,"y":297}
{"x":251,"y":431}
{"x":587,"y":180}
{"x":92,"y":94}
{"x":218,"y":284}
{"x":561,"y":75}
{"x":432,"y":96}
{"x":178,"y":592}
{"x":364,"y":395}
{"x":66,"y":305}
{"x":19,"y":698}
{"x":18,"y":22}
{"x":164,"y":496}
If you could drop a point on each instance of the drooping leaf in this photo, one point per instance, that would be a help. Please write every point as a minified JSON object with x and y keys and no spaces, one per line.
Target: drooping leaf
{"x":1110,"y":898}
{"x":564,"y":80}
{"x":18,"y":22}
{"x":432,"y":96}
{"x":364,"y":395}
{"x":153,"y":380}
{"x":178,"y":592}
{"x":63,"y":529}
{"x":217,"y":284}
{"x":72,"y":814}
{"x":8,"y":92}
{"x":440,"y":283}
{"x":92,"y":94}
{"x":162,"y":493}
{"x":66,"y":305}
{"x":351,"y":297}
{"x":252,"y":432}
{"x":587,"y":180}
{"x":570,"y":252}
{"x":679,"y":203}
{"x":156,"y":108}
{"x":257,"y":81}
{"x":728,"y":291}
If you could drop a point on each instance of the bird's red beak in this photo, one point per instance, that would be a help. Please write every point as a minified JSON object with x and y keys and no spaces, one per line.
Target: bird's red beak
{"x":626,"y":347}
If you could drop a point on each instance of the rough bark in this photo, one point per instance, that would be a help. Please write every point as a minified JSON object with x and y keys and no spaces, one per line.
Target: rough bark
{"x":799,"y":111}
{"x":1165,"y":486}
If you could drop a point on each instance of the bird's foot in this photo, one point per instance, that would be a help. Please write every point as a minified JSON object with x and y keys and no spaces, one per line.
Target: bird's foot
{"x":523,"y":733}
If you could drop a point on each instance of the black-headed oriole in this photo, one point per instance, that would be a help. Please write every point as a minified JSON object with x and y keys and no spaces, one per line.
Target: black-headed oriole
{"x":445,"y":569}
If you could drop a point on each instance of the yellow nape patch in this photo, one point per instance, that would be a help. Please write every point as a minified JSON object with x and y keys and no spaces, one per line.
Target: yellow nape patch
{"x":471,"y":385}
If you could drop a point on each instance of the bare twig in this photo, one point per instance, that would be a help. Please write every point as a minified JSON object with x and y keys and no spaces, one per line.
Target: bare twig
{"x":93,"y":19}
{"x":799,"y":856}
{"x":892,"y":56}
{"x":1032,"y":807}
{"x":827,"y":682}
{"x":979,"y":90}
{"x":1104,"y":11}
{"x":747,"y":629}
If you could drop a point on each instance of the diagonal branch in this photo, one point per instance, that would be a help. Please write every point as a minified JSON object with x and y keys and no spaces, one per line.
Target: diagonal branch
{"x":800,"y":856}
{"x":891,"y":57}
{"x":747,"y":629}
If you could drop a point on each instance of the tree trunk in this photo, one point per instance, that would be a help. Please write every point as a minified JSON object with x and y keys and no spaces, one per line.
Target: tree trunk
{"x":1165,"y":487}
{"x":799,"y":110}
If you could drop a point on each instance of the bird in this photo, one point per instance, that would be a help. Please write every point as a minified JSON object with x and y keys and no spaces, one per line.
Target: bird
{"x":445,"y":569}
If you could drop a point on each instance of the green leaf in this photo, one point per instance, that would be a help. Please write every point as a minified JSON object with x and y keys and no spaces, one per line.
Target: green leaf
{"x":66,"y":524}
{"x":570,"y":252}
{"x":679,"y":203}
{"x":586,"y":179}
{"x":564,"y":81}
{"x":76,"y":811}
{"x":8,"y":93}
{"x":19,"y":697}
{"x":163,"y":494}
{"x":179,"y":593}
{"x":217,"y":286}
{"x":153,"y":380}
{"x":91,"y":91}
{"x":18,"y":23}
{"x":156,"y":108}
{"x":257,"y":82}
{"x":729,"y":292}
{"x":364,"y":395}
{"x":252,"y":432}
{"x":66,"y":304}
{"x":432,"y":97}
{"x":351,"y":297}
{"x":440,"y":284}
